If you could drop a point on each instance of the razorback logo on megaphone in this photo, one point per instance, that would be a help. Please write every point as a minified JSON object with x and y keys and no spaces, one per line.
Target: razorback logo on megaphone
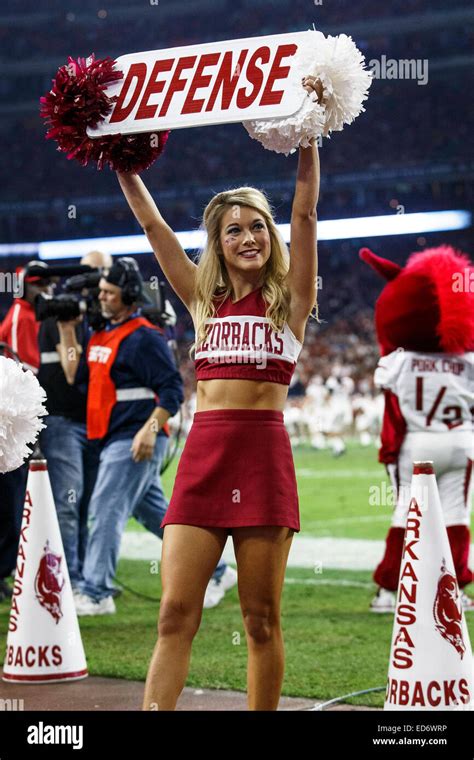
{"x":49,"y":583}
{"x":447,"y":610}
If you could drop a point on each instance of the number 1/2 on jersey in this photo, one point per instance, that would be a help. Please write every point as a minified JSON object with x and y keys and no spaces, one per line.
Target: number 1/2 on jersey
{"x":451,"y":415}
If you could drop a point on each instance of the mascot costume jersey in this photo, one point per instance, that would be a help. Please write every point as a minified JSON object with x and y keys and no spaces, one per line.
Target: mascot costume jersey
{"x":424,"y":319}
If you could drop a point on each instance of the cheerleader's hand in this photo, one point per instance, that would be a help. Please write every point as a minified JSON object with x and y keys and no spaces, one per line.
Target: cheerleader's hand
{"x":312,"y":84}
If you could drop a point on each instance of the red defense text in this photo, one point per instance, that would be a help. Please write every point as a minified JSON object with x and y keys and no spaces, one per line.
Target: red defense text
{"x":244,"y":82}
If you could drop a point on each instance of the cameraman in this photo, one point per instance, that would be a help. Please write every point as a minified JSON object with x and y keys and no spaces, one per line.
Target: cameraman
{"x":19,"y":330}
{"x":133,"y":388}
{"x":73,"y":461}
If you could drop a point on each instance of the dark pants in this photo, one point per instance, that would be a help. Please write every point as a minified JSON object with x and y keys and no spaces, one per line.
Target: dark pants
{"x":12,"y":498}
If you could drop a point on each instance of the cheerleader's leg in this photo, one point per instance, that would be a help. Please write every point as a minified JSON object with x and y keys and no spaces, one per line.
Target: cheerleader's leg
{"x":189,"y":557}
{"x":262,"y":554}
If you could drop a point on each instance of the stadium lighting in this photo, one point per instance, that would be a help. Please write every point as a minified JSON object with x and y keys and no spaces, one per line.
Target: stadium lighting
{"x":388,"y":224}
{"x":120,"y":245}
{"x":359,"y":228}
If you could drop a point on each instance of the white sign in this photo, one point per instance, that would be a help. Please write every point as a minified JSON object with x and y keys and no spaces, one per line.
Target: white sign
{"x":212,"y":83}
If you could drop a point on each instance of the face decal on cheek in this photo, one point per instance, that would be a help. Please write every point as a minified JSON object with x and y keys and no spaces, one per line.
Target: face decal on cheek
{"x":229,"y":239}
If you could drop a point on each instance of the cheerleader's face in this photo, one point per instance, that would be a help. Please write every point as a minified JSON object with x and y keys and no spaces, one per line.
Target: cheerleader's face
{"x":245,"y":239}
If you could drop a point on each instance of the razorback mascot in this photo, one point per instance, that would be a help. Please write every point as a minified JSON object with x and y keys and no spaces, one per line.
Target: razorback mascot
{"x":424,"y":320}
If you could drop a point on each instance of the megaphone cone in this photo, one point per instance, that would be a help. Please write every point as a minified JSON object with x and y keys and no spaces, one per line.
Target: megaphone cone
{"x":44,"y":641}
{"x":431,"y":658}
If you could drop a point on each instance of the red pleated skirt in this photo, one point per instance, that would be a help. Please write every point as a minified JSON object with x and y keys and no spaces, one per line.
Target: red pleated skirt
{"x":236,"y":470}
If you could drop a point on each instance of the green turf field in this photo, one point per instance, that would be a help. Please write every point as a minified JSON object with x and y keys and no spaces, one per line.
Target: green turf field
{"x":333,"y":644}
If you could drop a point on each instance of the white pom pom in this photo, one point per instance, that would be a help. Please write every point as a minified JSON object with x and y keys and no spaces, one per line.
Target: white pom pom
{"x":339,"y":64}
{"x":21,"y":406}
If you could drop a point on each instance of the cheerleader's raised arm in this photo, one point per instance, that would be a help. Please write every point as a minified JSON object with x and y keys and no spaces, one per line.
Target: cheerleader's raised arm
{"x":178,"y":269}
{"x":301,"y":277}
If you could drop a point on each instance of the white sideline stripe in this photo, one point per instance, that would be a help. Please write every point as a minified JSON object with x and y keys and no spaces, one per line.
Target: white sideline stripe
{"x":323,"y":553}
{"x":304,"y":473}
{"x":345,"y":520}
{"x":329,"y":582}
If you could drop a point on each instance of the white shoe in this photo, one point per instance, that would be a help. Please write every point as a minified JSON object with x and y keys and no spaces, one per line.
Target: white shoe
{"x":467,"y":602}
{"x":214,"y":594}
{"x":383,"y":601}
{"x":229,"y":579}
{"x":215,"y":591}
{"x":85,"y":605}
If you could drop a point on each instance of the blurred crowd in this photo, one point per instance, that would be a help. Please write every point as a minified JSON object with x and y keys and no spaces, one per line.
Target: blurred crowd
{"x":411,"y":131}
{"x":157,"y":25}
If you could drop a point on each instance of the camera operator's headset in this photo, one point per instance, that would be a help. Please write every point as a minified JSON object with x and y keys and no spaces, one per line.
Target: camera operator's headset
{"x":132,"y":289}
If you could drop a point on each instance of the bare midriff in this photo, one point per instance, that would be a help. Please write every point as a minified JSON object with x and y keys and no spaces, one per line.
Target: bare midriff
{"x":240,"y":394}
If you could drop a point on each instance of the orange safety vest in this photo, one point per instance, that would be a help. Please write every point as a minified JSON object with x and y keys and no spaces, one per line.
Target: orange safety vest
{"x":102,"y":394}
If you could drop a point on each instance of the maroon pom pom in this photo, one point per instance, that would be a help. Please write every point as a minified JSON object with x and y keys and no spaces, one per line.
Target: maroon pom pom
{"x":77,"y":101}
